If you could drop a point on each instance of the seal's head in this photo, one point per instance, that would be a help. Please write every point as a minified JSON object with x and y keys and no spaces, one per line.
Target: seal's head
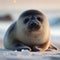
{"x":32,"y":23}
{"x":32,"y":20}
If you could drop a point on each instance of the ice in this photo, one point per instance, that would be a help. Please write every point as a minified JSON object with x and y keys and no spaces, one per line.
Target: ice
{"x":25,"y":52}
{"x":27,"y":55}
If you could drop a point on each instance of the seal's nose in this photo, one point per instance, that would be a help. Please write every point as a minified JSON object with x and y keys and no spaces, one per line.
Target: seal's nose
{"x":34,"y":26}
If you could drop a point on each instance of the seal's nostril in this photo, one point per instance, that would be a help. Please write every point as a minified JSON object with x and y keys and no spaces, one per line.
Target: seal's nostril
{"x":34,"y":26}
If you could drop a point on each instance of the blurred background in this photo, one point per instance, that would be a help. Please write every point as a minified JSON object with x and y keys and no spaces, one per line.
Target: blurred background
{"x":11,"y":9}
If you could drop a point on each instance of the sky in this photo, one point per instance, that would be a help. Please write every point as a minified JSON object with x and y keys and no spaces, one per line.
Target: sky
{"x":28,"y":4}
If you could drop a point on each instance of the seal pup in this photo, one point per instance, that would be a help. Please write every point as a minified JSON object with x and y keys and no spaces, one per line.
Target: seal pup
{"x":31,"y":31}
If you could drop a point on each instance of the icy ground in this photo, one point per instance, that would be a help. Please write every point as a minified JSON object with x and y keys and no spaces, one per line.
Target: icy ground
{"x":26,"y":55}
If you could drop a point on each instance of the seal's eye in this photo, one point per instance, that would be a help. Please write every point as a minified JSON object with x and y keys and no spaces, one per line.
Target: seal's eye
{"x":40,"y":19}
{"x":26,"y":20}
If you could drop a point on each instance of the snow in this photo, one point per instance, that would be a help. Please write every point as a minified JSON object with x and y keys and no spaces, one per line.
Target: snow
{"x":27,"y":55}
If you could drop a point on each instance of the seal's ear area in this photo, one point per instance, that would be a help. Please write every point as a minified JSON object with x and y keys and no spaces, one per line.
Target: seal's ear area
{"x":52,"y":47}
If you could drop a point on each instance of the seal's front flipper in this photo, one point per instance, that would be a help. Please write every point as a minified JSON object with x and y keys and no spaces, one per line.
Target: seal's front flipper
{"x":52,"y":47}
{"x":23,"y":47}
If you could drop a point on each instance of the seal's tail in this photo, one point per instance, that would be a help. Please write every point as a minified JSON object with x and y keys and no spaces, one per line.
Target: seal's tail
{"x":52,"y":47}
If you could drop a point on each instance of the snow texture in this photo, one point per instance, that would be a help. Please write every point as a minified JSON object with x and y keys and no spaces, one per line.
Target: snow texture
{"x":27,"y":55}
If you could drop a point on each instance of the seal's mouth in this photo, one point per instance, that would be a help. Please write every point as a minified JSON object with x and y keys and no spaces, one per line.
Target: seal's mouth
{"x":33,"y":26}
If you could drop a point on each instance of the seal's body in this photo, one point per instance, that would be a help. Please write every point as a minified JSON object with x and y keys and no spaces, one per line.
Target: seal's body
{"x":31,"y":31}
